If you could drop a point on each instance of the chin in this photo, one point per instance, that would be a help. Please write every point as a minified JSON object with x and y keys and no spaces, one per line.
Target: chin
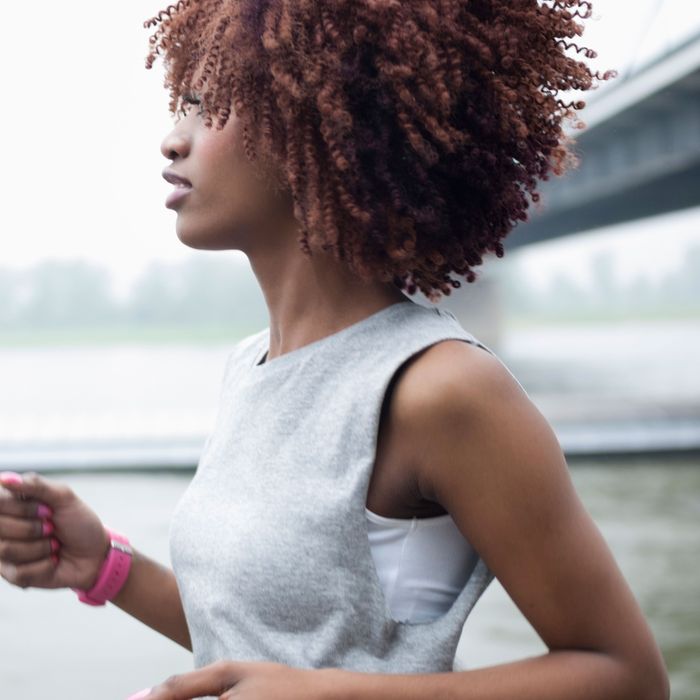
{"x":198,"y":243}
{"x":202,"y":241}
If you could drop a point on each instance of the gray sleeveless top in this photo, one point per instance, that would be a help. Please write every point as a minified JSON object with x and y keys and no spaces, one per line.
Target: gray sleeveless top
{"x":269,"y":541}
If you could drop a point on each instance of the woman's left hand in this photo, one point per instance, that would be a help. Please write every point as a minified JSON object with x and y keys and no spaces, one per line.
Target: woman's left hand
{"x":243,"y":680}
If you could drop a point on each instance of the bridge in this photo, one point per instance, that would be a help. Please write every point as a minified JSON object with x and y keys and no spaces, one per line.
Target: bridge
{"x":640,"y":157}
{"x":640,"y":153}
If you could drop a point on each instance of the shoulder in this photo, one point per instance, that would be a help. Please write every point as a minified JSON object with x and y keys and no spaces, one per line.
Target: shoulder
{"x":464,"y":412}
{"x":454,"y":378}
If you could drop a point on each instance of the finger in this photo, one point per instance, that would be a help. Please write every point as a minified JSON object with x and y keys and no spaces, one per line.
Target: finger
{"x":25,"y":575}
{"x":12,"y":528}
{"x":22,"y":552}
{"x":141,"y":694}
{"x":213,"y":679}
{"x":11,"y":505}
{"x":10,"y":479}
{"x":32,"y":485}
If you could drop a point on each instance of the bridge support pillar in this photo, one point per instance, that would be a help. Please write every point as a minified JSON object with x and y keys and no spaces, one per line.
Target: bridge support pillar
{"x":479,"y":305}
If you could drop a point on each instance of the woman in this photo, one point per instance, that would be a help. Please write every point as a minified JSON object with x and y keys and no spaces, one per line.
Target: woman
{"x":373,"y":465}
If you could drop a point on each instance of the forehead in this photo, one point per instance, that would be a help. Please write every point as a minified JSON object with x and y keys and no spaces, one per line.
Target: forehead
{"x":188,"y":85}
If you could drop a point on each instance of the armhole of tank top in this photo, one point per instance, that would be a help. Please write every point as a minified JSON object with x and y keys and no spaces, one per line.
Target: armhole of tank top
{"x":388,"y":393}
{"x":369,"y":516}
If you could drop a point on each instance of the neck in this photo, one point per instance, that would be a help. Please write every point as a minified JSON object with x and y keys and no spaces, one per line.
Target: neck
{"x":310,"y":298}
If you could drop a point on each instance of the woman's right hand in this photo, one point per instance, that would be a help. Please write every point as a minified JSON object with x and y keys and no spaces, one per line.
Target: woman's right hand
{"x":25,"y":552}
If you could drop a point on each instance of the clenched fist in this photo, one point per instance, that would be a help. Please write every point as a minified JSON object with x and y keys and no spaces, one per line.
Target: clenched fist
{"x":49,"y":538}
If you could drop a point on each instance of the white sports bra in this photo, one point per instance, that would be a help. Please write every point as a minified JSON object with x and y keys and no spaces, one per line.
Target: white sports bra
{"x":422,"y":564}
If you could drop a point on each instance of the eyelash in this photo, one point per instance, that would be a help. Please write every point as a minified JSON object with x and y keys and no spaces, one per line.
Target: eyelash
{"x":193,"y":100}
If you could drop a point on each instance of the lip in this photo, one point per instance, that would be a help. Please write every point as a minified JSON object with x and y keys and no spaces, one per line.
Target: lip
{"x":179,"y":193}
{"x":182,"y":187}
{"x":174,"y":179}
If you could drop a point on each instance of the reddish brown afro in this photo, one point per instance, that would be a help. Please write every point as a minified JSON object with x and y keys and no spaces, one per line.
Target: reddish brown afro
{"x":409,"y":134}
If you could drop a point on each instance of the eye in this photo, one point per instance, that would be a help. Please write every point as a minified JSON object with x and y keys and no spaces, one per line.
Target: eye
{"x":192,"y":99}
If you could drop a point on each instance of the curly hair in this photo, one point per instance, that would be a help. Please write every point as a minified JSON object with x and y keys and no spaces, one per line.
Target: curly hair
{"x":408,"y":132}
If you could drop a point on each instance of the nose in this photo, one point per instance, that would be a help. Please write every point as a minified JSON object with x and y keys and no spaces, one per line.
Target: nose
{"x":176,"y":143}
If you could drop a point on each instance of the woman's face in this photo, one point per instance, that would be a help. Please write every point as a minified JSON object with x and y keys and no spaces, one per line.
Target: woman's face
{"x":227,"y":207}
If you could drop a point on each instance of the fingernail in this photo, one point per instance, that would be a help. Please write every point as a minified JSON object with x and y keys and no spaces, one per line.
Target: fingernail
{"x":47,"y":527}
{"x":54,"y":558}
{"x":11,"y":477}
{"x":55,"y":544}
{"x":43,"y":511}
{"x":140,"y":694}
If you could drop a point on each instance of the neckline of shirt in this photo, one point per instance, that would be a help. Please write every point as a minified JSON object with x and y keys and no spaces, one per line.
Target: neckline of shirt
{"x":282,"y":360}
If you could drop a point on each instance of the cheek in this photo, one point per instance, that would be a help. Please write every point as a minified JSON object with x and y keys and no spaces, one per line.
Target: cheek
{"x":234,"y":188}
{"x":220,"y":160}
{"x":223,"y":176}
{"x":231,"y":203}
{"x":225,"y":207}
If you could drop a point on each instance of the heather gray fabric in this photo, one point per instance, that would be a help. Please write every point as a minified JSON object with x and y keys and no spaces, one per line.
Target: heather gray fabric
{"x":269,"y":541}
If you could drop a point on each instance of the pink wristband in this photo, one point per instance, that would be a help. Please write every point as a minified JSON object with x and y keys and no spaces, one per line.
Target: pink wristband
{"x":113,"y":574}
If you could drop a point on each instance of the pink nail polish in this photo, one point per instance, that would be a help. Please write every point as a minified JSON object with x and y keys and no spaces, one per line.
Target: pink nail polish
{"x":43,"y":511}
{"x":47,"y":527}
{"x":141,"y":694}
{"x":55,"y":544}
{"x":11,"y":477}
{"x":54,"y":559}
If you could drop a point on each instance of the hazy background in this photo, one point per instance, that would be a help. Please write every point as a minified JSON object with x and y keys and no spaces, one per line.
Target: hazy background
{"x":84,"y":120}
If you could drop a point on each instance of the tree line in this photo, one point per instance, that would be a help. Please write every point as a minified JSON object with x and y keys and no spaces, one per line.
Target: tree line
{"x":204,"y":291}
{"x":678,"y":291}
{"x":76,"y":293}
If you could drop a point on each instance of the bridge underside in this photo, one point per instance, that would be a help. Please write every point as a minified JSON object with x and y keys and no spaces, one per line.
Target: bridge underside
{"x":639,"y":155}
{"x":620,"y":201}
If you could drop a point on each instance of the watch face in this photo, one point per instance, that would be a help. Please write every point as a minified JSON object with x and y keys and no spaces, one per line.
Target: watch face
{"x":116,"y":544}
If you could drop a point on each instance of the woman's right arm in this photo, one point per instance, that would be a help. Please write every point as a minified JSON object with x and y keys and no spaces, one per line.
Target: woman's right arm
{"x":150,"y":593}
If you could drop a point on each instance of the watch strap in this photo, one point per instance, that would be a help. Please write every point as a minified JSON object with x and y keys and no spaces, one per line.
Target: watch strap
{"x":113,"y":573}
